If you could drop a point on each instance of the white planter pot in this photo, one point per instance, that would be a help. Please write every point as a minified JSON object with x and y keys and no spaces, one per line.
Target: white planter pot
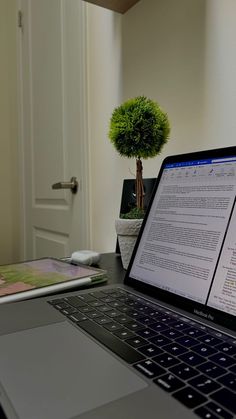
{"x":127,"y":232}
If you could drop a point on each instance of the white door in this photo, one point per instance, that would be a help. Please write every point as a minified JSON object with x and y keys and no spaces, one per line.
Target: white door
{"x":53,"y":126}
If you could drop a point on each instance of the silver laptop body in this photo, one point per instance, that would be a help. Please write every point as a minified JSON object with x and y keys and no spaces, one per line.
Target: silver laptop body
{"x":162,"y":345}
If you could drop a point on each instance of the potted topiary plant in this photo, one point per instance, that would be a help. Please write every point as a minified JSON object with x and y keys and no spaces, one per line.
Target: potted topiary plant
{"x":138,"y":128}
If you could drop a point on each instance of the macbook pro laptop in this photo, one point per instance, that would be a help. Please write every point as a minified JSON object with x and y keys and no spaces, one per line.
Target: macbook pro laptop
{"x":163,"y":345}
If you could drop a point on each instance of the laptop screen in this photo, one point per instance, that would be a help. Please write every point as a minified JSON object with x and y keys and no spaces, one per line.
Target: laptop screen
{"x":188,"y":242}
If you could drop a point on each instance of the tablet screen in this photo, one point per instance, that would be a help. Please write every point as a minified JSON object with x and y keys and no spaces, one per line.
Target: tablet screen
{"x":29,"y":275}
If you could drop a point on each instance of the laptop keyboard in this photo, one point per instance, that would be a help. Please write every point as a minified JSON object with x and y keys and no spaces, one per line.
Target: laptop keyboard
{"x":194,"y":363}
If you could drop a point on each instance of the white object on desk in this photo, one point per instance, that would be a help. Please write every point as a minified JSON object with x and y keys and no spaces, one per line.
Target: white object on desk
{"x":86,"y":257}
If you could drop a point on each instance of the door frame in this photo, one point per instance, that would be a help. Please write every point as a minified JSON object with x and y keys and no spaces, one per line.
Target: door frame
{"x":83,"y":159}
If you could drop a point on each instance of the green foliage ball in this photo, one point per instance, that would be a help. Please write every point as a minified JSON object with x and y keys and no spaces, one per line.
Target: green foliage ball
{"x":139,"y":128}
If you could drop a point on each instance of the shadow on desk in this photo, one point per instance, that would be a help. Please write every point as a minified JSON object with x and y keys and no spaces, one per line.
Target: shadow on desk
{"x":111,"y":262}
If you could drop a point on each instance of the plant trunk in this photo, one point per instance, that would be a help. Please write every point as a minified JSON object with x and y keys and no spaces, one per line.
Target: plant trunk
{"x":139,"y":184}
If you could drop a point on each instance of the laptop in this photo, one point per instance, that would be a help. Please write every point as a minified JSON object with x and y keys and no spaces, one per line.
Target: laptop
{"x":161,"y":345}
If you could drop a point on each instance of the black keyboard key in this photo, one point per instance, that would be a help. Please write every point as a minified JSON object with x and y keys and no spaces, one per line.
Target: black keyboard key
{"x":109,"y":312}
{"x":136,"y":342}
{"x":175,"y":315}
{"x":223,"y":360}
{"x":210,"y":340}
{"x":75,"y":302}
{"x":145,"y":320}
{"x":152,"y":312}
{"x":62,"y":305}
{"x":233,"y":368}
{"x":179,"y":325}
{"x":166,"y":360}
{"x":88,"y":298}
{"x":184,"y":371}
{"x":124,"y":334}
{"x":204,"y":328}
{"x":117,"y":346}
{"x":85,"y":309}
{"x":142,"y":301}
{"x":77,"y":317}
{"x":123,"y":298}
{"x":124,"y":309}
{"x":227,"y":348}
{"x":167,"y":320}
{"x":211,"y":369}
{"x":232,"y":340}
{"x":149,"y":368}
{"x":205,"y":413}
{"x":97,"y":294}
{"x":226,"y":398}
{"x":160,"y":340}
{"x":194,"y":333}
{"x":107,"y":299}
{"x":135,"y":326}
{"x":123,"y":319}
{"x":116,"y":304}
{"x":117,"y":294}
{"x":204,"y":350}
{"x":142,"y":308}
{"x":146,"y":333}
{"x":189,"y":397}
{"x":215,"y":408}
{"x":204,"y":384}
{"x":169,"y":383}
{"x":110,"y":300}
{"x":159,"y":327}
{"x":150,"y":350}
{"x":172,"y":333}
{"x":187,"y":341}
{"x":103,"y":320}
{"x":174,"y":349}
{"x":131,"y":303}
{"x":96,"y":304}
{"x":219,"y":335}
{"x":113,"y":326}
{"x":229,"y":380}
{"x":192,"y":358}
{"x":56,"y":301}
{"x":132,"y":313}
{"x":104,"y":308}
{"x":69,"y":310}
{"x":94,"y":314}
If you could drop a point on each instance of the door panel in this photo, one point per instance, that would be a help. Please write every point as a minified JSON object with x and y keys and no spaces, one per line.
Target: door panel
{"x":53,"y":46}
{"x":48,"y":243}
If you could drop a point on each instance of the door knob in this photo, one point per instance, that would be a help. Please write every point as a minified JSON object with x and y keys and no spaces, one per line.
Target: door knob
{"x":72,"y":185}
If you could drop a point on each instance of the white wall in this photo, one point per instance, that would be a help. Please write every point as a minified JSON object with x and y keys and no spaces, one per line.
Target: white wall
{"x":164,"y":53}
{"x":220,"y":73}
{"x":105,"y":85}
{"x":180,"y":53}
{"x":9,"y":190}
{"x":183,"y":54}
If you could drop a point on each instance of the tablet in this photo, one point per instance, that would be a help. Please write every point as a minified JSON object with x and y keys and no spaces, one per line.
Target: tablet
{"x":33,"y":278}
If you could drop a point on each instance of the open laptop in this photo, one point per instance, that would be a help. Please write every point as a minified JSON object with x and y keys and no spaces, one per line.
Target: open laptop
{"x":162,"y":345}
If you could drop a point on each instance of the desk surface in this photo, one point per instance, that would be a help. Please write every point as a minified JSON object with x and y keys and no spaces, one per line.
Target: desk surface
{"x":113,"y":265}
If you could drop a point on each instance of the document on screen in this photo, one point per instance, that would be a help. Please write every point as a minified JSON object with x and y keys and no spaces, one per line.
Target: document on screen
{"x":186,"y":228}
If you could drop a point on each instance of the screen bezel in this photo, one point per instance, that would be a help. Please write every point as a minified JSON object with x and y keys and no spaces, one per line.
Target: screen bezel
{"x":213,"y":315}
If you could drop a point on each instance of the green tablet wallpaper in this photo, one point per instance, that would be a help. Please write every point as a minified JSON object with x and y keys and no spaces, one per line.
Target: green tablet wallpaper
{"x":39,"y":273}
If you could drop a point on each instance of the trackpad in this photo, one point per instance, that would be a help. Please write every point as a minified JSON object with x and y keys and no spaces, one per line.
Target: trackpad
{"x":56,"y":371}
